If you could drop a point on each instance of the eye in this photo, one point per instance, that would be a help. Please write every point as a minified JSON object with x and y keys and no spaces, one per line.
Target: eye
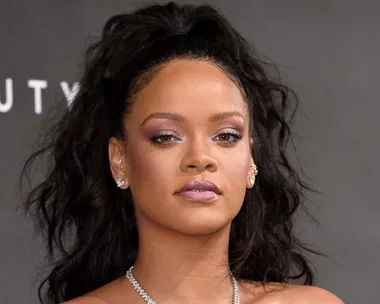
{"x":230,"y":137}
{"x":162,"y":138}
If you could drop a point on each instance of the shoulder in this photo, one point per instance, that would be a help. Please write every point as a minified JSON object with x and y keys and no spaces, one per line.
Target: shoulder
{"x":103,"y":295}
{"x":276,"y":293}
{"x":310,"y":295}
{"x":87,"y":299}
{"x":116,"y":291}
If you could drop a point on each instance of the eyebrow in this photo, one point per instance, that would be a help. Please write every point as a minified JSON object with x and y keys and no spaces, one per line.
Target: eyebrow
{"x":180,"y":118}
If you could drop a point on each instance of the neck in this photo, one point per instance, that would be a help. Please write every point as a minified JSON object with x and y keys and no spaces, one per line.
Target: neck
{"x":174,"y":268}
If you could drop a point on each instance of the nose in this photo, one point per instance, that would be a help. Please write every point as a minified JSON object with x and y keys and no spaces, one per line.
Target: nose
{"x":198,"y":158}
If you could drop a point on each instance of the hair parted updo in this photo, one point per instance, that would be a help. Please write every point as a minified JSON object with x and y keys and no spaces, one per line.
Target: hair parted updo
{"x":89,"y":223}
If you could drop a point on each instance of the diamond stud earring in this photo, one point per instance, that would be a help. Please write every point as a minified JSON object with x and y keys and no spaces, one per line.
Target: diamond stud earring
{"x":120,"y":182}
{"x":252,"y":180}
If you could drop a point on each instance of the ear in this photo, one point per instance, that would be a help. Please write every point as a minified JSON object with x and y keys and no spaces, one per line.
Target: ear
{"x":251,"y":170}
{"x":117,"y":159}
{"x":250,"y":143}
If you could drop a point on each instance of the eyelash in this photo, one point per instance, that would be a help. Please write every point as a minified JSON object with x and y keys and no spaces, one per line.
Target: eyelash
{"x":155,"y":137}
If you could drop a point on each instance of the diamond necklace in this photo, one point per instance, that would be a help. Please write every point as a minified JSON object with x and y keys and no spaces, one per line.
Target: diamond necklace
{"x":149,"y":300}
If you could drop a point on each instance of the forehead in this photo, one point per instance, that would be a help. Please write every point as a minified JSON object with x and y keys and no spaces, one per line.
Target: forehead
{"x":189,"y":86}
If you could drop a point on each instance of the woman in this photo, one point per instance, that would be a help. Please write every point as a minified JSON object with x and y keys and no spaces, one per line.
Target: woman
{"x":169,"y":180}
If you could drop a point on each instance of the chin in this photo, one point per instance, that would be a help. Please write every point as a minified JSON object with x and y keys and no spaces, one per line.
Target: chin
{"x":203,"y":225}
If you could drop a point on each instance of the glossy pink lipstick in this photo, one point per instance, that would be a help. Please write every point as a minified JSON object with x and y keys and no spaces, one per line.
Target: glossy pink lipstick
{"x":200,"y":191}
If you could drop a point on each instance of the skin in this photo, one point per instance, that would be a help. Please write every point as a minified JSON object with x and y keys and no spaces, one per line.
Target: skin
{"x":183,"y":245}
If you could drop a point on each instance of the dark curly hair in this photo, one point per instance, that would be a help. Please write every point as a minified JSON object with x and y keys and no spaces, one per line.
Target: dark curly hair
{"x":91,"y":232}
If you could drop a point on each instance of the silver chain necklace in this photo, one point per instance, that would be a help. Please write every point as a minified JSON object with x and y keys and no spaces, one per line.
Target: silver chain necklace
{"x":143,"y":294}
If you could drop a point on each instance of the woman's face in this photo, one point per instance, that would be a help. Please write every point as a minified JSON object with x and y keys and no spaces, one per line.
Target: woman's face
{"x":189,"y":123}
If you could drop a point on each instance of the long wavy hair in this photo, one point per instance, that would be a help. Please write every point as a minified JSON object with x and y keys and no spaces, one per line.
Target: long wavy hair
{"x":89,"y":224}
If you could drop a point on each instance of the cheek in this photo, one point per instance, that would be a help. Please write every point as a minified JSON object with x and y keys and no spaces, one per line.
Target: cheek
{"x":236,"y":177}
{"x":237,"y":166}
{"x":148,"y":168}
{"x":238,"y":174}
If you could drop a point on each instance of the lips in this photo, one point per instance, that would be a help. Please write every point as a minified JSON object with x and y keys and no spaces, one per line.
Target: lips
{"x":200,"y":185}
{"x":200,"y":190}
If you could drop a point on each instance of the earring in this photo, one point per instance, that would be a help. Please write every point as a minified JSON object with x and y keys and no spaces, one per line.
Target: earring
{"x":120,"y":182}
{"x":255,"y":171}
{"x":252,"y":179}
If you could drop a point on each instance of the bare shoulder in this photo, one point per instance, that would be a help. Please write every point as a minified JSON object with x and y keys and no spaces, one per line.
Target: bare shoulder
{"x":85,"y":300}
{"x":310,"y":295}
{"x":113,"y":292}
{"x":277,"y":293}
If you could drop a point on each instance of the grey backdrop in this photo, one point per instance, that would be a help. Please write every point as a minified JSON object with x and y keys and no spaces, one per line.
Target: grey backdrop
{"x":327,"y":50}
